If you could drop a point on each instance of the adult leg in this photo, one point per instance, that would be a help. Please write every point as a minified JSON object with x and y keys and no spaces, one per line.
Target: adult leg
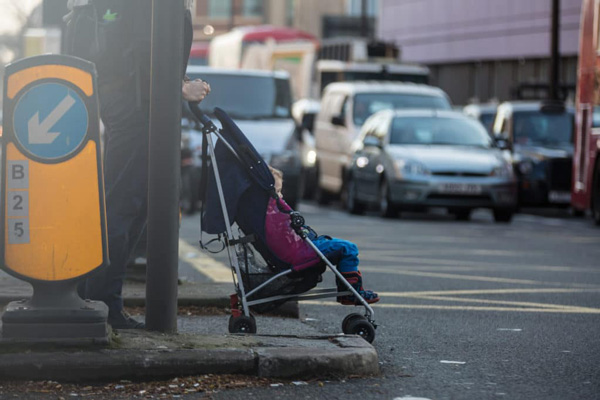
{"x":126,"y":181}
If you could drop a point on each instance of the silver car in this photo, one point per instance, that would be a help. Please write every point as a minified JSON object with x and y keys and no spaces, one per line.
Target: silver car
{"x":417,"y":159}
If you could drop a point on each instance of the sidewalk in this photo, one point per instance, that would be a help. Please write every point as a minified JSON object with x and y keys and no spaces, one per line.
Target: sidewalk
{"x":190,"y":293}
{"x":201,"y":346}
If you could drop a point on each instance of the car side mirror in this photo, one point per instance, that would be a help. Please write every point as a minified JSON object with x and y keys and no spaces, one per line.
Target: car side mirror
{"x":371,"y":141}
{"x":503,"y":142}
{"x":338,"y":120}
{"x":308,"y":121}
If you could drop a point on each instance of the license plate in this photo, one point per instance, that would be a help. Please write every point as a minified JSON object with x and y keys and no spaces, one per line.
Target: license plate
{"x":559,"y":197}
{"x":460,"y":188}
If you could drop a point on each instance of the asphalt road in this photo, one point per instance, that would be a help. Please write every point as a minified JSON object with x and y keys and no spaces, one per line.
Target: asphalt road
{"x":469,"y":310}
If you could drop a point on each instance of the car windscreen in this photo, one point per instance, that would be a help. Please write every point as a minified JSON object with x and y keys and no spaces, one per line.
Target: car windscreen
{"x":367,"y":104}
{"x":247,"y":96}
{"x":487,"y":120}
{"x":535,"y":128}
{"x":438,"y":131}
{"x":596,"y":117}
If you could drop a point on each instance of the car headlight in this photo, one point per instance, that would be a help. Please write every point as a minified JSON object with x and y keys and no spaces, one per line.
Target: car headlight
{"x":311,"y":157}
{"x":283,"y":159}
{"x":502,"y":171}
{"x":525,"y":167}
{"x":409,"y":168}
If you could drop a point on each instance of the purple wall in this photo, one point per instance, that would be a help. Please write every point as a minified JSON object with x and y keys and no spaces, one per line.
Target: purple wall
{"x":447,"y":31}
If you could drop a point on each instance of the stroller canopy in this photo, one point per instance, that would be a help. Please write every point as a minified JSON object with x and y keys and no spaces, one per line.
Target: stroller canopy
{"x":241,"y":169}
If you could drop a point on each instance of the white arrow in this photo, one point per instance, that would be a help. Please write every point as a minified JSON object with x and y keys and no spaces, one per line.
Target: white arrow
{"x":39,"y":133}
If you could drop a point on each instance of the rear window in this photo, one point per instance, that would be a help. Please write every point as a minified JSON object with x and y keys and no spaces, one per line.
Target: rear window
{"x":534,"y":128}
{"x":368,"y":104}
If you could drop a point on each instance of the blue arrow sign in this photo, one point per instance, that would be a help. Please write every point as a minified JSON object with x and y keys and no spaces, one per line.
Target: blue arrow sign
{"x":50,"y":120}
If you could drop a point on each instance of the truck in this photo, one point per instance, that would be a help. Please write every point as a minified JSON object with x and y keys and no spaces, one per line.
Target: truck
{"x":266,"y":47}
{"x":359,"y":59}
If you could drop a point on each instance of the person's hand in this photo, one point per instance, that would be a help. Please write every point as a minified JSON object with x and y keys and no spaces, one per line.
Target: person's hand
{"x":195,"y":90}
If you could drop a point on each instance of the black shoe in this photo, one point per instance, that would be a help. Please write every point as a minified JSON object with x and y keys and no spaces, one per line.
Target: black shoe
{"x":122,"y":320}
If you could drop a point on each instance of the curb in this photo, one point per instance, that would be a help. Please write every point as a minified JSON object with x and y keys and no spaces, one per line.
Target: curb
{"x":344,"y":356}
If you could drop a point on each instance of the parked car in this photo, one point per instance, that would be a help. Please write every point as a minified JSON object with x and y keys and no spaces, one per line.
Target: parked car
{"x":304,"y":112}
{"x":484,"y":113}
{"x":260,"y":103}
{"x":345,"y":106}
{"x":417,"y":159}
{"x":540,"y":137}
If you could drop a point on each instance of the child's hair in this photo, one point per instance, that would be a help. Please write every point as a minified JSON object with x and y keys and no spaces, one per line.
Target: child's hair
{"x":278,"y":176}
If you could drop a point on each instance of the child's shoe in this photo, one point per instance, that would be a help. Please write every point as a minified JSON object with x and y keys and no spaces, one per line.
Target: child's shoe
{"x":355,"y":279}
{"x":369,"y":296}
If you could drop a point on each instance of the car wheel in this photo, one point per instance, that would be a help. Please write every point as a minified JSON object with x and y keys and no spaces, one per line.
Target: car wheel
{"x":353,"y":205}
{"x":386,"y":208}
{"x":503,"y":215}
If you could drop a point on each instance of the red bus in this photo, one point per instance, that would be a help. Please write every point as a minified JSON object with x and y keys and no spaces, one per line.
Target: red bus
{"x":585,"y":192}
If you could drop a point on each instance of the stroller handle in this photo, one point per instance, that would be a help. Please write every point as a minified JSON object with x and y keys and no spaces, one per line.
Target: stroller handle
{"x":204,"y":120}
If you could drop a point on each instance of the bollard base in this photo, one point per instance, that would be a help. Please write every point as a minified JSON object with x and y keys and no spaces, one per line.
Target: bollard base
{"x":24,"y":323}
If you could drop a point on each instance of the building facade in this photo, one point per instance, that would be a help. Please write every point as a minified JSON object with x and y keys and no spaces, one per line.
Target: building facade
{"x":214,"y":17}
{"x":482,"y":49}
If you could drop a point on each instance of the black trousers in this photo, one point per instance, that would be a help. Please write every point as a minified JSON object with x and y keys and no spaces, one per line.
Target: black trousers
{"x":126,"y":186}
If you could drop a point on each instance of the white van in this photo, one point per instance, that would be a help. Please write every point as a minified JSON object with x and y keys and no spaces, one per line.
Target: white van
{"x":344,"y":108}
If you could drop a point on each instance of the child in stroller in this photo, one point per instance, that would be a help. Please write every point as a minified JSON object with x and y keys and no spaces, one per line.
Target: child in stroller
{"x":342,"y":253}
{"x":271,"y":256}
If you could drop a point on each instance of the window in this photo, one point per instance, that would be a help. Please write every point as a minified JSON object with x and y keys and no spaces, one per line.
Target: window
{"x":344,"y":108}
{"x":596,"y":117}
{"x":289,"y":13}
{"x":252,"y":8}
{"x":219,"y":8}
{"x":535,"y":128}
{"x":354,"y":7}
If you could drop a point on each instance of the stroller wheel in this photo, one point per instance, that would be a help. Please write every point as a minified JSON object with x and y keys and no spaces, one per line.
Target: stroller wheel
{"x":350,"y":317}
{"x":362,"y":328}
{"x":242,"y":324}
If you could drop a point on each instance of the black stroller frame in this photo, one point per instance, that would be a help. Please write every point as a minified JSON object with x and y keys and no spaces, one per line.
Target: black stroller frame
{"x":241,"y":320}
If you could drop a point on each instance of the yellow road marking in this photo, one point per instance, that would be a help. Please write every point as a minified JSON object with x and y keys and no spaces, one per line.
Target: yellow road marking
{"x":487,"y":268}
{"x":486,"y":291}
{"x":472,"y":277}
{"x":570,"y":310}
{"x":510,"y":303}
{"x":216,"y":271}
{"x":399,"y":258}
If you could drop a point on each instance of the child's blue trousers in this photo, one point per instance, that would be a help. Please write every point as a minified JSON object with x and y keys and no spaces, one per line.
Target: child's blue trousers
{"x":342,"y":253}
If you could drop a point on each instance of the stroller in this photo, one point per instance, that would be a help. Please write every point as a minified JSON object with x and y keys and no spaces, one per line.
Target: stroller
{"x":239,"y":187}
